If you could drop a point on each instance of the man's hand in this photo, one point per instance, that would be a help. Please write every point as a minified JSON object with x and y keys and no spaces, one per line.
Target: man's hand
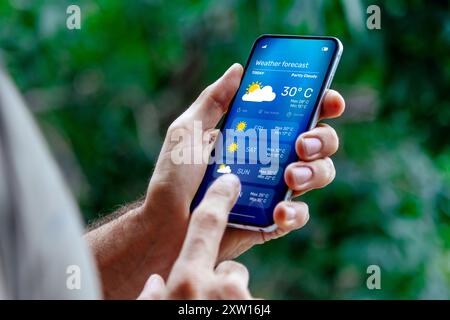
{"x":148,"y":239}
{"x":173,"y":187}
{"x":194,"y":274}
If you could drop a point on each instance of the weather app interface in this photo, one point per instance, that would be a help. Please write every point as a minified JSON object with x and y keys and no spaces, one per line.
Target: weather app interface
{"x":273,"y":106}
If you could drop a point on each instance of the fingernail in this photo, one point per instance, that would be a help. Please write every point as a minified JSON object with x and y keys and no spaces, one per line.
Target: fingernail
{"x":302,"y":174}
{"x":154,"y":282}
{"x":290,"y":214}
{"x":312,"y":146}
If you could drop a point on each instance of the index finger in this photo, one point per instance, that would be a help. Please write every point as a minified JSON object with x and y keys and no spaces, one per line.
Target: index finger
{"x":208,"y":222}
{"x":333,"y":105}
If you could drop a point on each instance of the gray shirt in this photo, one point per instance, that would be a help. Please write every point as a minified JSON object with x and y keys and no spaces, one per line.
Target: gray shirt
{"x":42,"y":252}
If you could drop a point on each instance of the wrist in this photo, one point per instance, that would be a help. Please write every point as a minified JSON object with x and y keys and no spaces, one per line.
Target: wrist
{"x":162,"y":240}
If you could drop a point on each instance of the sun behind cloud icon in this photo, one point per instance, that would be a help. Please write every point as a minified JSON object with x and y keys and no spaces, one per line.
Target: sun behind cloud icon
{"x":256,"y":92}
{"x":224,"y":169}
{"x":241,"y":126}
{"x":232,"y":147}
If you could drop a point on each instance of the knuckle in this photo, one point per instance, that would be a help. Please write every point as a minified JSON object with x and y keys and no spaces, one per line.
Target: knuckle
{"x":177,"y":129}
{"x":212,"y":97}
{"x":174,"y":126}
{"x":210,"y":219}
{"x":197,"y":243}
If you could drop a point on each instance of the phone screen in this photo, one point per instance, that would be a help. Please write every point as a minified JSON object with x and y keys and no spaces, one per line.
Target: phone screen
{"x":283,"y":82}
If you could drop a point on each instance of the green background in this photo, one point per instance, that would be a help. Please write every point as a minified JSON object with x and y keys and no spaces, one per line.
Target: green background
{"x":104,"y":96}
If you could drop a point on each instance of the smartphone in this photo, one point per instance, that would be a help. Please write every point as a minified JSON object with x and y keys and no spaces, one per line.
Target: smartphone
{"x":279,"y":98}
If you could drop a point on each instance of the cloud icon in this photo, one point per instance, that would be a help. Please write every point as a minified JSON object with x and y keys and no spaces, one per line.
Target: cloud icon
{"x":259,"y":94}
{"x":224,"y":169}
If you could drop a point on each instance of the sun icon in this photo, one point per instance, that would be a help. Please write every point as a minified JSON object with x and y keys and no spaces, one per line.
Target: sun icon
{"x":253,"y":86}
{"x":233,"y":147}
{"x":241,"y":126}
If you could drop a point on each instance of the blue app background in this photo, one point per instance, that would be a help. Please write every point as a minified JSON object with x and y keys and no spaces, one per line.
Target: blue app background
{"x":279,"y":90}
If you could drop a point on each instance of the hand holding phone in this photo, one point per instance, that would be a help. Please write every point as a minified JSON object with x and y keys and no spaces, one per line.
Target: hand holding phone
{"x":153,"y":231}
{"x":279,"y":98}
{"x":165,"y":213}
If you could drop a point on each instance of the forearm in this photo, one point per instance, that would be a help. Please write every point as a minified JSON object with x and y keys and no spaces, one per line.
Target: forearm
{"x":122,"y":247}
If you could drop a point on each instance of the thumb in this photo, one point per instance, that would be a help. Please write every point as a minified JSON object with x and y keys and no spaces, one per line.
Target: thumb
{"x":214,"y":100}
{"x":154,"y":288}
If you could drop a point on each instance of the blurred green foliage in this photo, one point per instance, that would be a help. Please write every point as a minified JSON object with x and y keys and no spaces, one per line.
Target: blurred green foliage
{"x":105,"y":95}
